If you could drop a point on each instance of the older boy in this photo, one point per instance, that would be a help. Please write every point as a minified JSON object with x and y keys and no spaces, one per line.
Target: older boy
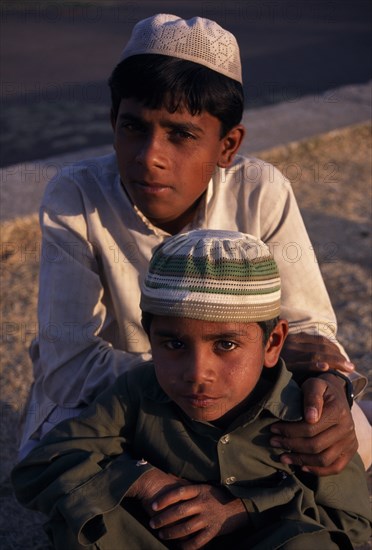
{"x":177,"y":103}
{"x":202,"y":413}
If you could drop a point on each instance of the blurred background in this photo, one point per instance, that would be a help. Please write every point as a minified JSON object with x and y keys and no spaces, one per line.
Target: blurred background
{"x":57,"y":56}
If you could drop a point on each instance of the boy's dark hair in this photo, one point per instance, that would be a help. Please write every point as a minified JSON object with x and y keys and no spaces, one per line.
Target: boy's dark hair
{"x":266,"y":326}
{"x":163,"y":81}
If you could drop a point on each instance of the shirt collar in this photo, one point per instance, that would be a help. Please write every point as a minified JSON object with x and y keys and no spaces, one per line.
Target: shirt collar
{"x":283,"y":398}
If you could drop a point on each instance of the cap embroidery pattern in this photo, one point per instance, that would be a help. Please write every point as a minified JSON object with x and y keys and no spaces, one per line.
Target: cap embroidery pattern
{"x":199,"y":40}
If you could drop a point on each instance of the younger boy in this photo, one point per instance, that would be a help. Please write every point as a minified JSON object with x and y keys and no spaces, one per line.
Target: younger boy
{"x":201,"y":412}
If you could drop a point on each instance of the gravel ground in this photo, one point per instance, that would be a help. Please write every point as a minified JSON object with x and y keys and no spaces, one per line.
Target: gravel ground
{"x":331,"y":178}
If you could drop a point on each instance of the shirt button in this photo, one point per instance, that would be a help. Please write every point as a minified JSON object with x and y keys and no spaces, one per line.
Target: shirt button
{"x":225,"y":439}
{"x":230,"y":480}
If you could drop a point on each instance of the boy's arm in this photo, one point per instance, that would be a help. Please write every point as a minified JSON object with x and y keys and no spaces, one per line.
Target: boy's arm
{"x":81,"y":469}
{"x":325,"y":441}
{"x":312,"y":335}
{"x":199,"y":512}
{"x":305,"y":302}
{"x":72,"y":312}
{"x":344,"y":503}
{"x":338,"y":504}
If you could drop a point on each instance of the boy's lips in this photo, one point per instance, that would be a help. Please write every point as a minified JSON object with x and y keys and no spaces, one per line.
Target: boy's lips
{"x":200,"y":400}
{"x":152,"y":187}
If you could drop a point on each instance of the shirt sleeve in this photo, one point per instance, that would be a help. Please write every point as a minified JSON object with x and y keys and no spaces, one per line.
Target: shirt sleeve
{"x":338,"y":504}
{"x":305,"y":300}
{"x":72,"y":310}
{"x":81,"y":470}
{"x":343,"y":501}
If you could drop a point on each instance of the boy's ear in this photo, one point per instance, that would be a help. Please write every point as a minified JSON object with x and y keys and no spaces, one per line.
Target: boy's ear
{"x":275,"y":343}
{"x":230,"y":145}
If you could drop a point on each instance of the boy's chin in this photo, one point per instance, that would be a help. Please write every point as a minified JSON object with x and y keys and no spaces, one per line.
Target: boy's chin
{"x":205,"y":417}
{"x":214,"y":415}
{"x":204,"y":414}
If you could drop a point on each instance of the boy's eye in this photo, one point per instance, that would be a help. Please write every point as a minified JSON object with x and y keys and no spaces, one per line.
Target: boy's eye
{"x":181,"y":135}
{"x":132,"y":127}
{"x":225,"y":345}
{"x":174,"y":344}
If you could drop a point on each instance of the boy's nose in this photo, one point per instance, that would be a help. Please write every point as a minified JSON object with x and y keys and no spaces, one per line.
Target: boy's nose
{"x":151,"y":152}
{"x":198,"y":368}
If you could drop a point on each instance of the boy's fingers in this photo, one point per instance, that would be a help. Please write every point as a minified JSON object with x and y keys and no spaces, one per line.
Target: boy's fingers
{"x":183,"y":526}
{"x":181,"y":511}
{"x":322,"y":364}
{"x":329,"y":462}
{"x":320,"y":450}
{"x":304,"y":353}
{"x":174,"y":495}
{"x":322,"y":455}
{"x":330,"y":362}
{"x":314,"y":391}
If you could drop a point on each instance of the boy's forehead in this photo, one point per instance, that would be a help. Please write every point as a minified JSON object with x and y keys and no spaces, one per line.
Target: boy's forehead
{"x":205,"y":329}
{"x":131,"y":107}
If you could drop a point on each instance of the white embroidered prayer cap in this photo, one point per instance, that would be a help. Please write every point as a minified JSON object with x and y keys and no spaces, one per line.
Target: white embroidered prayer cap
{"x":199,"y":40}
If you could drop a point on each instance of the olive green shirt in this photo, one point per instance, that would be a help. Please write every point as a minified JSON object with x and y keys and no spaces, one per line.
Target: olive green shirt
{"x":83,"y":468}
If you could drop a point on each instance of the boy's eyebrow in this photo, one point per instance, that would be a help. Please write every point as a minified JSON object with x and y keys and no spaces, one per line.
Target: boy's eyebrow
{"x":222,"y":335}
{"x":183,"y":126}
{"x":130,"y":117}
{"x":165,"y":333}
{"x":165,"y":123}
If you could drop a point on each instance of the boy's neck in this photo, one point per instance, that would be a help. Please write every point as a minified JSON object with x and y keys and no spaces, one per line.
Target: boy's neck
{"x":251,"y":401}
{"x":175,"y":226}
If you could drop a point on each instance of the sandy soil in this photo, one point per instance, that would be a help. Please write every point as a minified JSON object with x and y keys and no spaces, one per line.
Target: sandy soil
{"x":331,"y":177}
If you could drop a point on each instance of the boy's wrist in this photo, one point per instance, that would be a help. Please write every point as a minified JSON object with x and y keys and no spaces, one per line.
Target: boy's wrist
{"x":344,"y":380}
{"x":140,"y":487}
{"x":150,"y":485}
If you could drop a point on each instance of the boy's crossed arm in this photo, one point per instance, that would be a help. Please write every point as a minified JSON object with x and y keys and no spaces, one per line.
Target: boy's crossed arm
{"x":182,"y":510}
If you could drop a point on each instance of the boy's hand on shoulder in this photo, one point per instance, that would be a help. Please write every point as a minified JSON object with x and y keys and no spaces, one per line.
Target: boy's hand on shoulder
{"x":325,"y":441}
{"x":306,"y":353}
{"x":193,"y":515}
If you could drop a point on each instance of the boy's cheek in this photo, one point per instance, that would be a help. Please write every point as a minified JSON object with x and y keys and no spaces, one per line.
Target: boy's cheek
{"x":165,"y":375}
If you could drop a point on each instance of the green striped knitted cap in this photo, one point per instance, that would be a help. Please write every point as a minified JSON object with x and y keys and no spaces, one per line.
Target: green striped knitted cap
{"x":212,"y":275}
